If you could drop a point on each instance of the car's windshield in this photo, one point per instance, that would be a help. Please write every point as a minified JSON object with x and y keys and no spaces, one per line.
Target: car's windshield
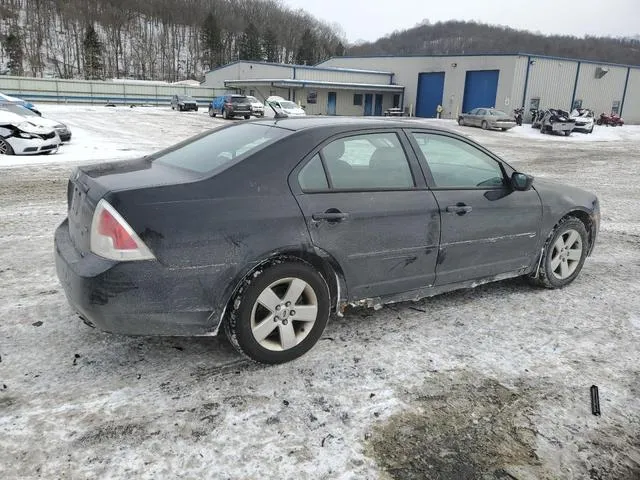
{"x":213,"y":150}
{"x":18,"y":109}
{"x":185,"y":97}
{"x":288,"y":104}
{"x":239,"y":99}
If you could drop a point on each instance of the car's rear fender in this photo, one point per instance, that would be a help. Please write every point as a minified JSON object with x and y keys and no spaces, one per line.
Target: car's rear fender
{"x":324,"y":263}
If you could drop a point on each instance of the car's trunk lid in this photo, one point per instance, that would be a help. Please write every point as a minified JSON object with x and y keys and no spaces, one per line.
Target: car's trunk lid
{"x":89,"y":184}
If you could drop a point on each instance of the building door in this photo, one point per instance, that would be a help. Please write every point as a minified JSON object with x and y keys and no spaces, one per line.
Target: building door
{"x":378,"y":110}
{"x":480,"y":89}
{"x":430,"y":91}
{"x":368,"y":104}
{"x":331,"y":103}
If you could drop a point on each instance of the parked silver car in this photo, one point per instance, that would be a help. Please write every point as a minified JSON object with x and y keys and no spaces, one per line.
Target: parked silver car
{"x":487,"y":118}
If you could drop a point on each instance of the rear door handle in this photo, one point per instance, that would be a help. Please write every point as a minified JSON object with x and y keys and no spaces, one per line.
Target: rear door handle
{"x":459,"y":208}
{"x":330,"y":216}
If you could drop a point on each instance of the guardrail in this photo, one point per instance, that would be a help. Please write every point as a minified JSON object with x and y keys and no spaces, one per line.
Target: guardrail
{"x":100,"y":92}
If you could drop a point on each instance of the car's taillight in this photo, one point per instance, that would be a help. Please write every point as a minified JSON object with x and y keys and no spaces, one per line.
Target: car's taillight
{"x":113,"y":238}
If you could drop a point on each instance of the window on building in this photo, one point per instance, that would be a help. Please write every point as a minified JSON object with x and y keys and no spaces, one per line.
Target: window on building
{"x":577,"y":104}
{"x":396,"y":101}
{"x":534,"y":104}
{"x":252,"y":93}
{"x":369,"y":161}
{"x":615,"y":108}
{"x":357,"y":99}
{"x":456,"y":164}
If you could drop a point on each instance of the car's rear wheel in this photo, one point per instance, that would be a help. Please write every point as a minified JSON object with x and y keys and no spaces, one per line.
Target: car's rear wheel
{"x":211,"y":113}
{"x":564,"y":254}
{"x":484,"y":125}
{"x":5,"y":148}
{"x":279,"y":313}
{"x":247,"y":117}
{"x":225,"y":115}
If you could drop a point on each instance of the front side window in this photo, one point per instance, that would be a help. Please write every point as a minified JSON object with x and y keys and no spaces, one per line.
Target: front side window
{"x":213,"y":150}
{"x":456,"y":164}
{"x":481,"y":111}
{"x":368,"y":161}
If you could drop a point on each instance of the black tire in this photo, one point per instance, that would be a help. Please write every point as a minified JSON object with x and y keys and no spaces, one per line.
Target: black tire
{"x":196,"y":109}
{"x":505,"y":129}
{"x":567,"y":133}
{"x":5,"y":148}
{"x":224,"y":114}
{"x":546,"y":277}
{"x":247,"y":117}
{"x":461,"y":122}
{"x":238,"y":323}
{"x":485,"y":125}
{"x":211,"y":112}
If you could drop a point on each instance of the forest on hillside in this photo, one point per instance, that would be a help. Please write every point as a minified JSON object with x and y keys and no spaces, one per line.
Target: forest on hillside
{"x":168,"y":40}
{"x":459,"y":37}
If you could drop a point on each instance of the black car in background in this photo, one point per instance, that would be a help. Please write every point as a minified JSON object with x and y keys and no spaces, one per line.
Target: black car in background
{"x":264,"y":228}
{"x":183,"y":103}
{"x":230,"y":106}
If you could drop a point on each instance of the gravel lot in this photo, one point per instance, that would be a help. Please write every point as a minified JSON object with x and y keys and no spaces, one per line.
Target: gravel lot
{"x":484,"y":383}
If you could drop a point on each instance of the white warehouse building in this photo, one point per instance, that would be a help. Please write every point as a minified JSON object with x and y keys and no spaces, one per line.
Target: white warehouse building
{"x":418,"y":84}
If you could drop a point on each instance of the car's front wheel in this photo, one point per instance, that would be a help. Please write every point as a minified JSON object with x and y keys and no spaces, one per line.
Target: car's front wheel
{"x":279,"y":313}
{"x":485,"y":125}
{"x":461,"y":122}
{"x":564,"y":254}
{"x":5,"y":148}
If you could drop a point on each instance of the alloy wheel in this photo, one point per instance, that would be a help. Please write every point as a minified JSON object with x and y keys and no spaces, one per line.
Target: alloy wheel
{"x":284,"y":314}
{"x":566,"y":254}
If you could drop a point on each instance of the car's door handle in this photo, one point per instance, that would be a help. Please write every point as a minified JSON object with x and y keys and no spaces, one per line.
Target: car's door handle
{"x":331,"y":215}
{"x":459,"y":208}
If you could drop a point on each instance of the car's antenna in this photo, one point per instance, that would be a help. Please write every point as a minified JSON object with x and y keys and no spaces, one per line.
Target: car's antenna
{"x":277,"y":114}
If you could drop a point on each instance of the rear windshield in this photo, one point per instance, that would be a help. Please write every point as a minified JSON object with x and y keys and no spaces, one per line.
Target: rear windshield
{"x":238,"y":99}
{"x":220,"y":148}
{"x":498,"y":113}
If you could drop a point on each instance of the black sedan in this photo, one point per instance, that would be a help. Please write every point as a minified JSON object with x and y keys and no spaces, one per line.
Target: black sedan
{"x":265,"y":228}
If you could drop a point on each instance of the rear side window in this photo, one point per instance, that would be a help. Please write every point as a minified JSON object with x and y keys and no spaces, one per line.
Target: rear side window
{"x":214,"y":150}
{"x":360,"y":162}
{"x":312,"y":176}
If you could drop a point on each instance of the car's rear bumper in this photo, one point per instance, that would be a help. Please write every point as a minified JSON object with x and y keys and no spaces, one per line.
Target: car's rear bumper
{"x":132,"y":298}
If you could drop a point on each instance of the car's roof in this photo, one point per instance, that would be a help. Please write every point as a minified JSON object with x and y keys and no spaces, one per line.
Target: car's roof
{"x":319,"y":121}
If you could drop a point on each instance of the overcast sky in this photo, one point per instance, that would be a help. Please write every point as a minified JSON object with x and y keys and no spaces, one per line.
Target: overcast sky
{"x":371,"y":19}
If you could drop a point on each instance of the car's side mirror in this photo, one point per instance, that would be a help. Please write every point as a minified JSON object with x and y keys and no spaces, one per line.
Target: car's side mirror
{"x":521,"y":181}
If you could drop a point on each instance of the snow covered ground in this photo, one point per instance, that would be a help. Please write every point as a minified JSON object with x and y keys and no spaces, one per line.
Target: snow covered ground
{"x":485,"y":383}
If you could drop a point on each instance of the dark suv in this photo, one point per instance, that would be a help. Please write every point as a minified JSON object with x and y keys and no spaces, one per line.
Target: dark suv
{"x":230,"y":106}
{"x":183,"y":102}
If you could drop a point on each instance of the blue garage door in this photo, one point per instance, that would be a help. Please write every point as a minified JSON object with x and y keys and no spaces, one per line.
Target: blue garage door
{"x":430,"y":90}
{"x":480,"y":89}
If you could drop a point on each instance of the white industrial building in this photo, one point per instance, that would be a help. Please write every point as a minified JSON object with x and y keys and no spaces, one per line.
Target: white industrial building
{"x":418,"y":84}
{"x":321,"y":90}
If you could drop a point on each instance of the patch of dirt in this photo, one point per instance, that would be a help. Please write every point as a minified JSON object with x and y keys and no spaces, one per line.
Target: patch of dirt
{"x":465,"y":429}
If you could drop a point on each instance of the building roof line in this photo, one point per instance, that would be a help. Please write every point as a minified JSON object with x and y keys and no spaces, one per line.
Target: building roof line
{"x":304,"y":83}
{"x":305,"y":67}
{"x":520,"y":54}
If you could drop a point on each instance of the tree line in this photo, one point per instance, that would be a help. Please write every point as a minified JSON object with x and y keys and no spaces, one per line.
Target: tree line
{"x":168,"y":40}
{"x":459,"y":37}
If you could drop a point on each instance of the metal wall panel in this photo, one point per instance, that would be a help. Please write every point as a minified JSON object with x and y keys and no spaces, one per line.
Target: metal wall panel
{"x":631,"y":108}
{"x":552,"y":81}
{"x":598,"y":94}
{"x":407,"y":69}
{"x":519,"y":81}
{"x":338,"y":76}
